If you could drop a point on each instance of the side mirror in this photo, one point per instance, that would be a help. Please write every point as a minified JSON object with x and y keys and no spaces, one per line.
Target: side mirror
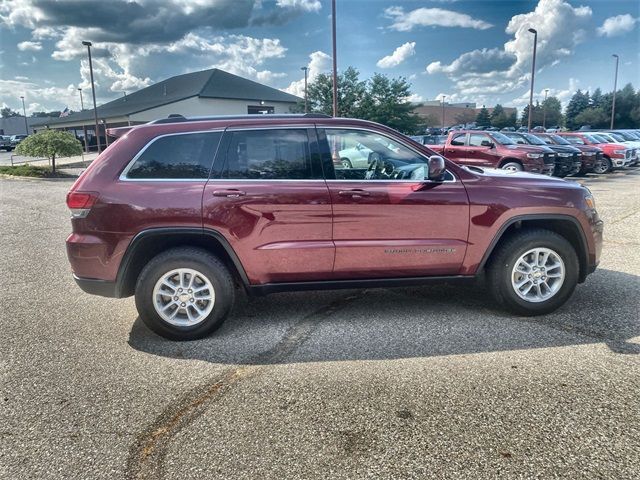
{"x":436,"y":168}
{"x":486,"y":143}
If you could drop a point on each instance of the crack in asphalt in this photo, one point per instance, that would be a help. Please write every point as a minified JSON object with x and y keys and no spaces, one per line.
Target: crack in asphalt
{"x":146,"y":456}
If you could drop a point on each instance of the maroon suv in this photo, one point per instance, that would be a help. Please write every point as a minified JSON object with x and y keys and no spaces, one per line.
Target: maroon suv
{"x":181,"y":212}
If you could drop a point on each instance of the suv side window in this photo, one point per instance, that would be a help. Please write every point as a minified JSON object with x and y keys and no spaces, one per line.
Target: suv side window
{"x":476,"y":139}
{"x":458,"y":140}
{"x":269,"y":154}
{"x":181,"y":156}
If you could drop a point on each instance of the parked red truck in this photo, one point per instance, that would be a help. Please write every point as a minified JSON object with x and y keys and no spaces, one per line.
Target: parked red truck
{"x":496,"y":150}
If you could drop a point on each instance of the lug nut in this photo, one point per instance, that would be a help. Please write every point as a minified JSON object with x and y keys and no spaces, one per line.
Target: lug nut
{"x":190,"y":291}
{"x":183,"y":304}
{"x":175,"y":298}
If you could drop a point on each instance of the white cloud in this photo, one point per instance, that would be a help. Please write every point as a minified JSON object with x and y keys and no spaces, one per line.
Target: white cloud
{"x":398,"y":56}
{"x":36,"y":96}
{"x":618,"y":25}
{"x":431,"y":17}
{"x":303,"y":5}
{"x":319,"y":62}
{"x":560,"y":26}
{"x":562,"y":94}
{"x":415,"y":98}
{"x":24,"y":46}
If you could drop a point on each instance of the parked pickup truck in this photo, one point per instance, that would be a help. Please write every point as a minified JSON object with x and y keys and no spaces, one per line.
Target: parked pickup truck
{"x":496,"y":150}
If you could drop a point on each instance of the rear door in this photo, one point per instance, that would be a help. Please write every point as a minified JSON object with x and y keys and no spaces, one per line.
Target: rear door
{"x":388,"y":221}
{"x":267,"y":196}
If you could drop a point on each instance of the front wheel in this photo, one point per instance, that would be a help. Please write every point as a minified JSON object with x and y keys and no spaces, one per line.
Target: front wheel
{"x":604,"y":167}
{"x":533,"y":272}
{"x":184,"y":294}
{"x":512,"y":167}
{"x":346,"y":163}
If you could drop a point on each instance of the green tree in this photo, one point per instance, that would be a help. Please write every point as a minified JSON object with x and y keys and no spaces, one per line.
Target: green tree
{"x":6,"y":112}
{"x":595,"y":117}
{"x":351,"y":92}
{"x":483,"y":119}
{"x":50,"y":144}
{"x":385,"y":102}
{"x":552,"y":111}
{"x":596,"y":98}
{"x":513,"y":119}
{"x":578,"y":103}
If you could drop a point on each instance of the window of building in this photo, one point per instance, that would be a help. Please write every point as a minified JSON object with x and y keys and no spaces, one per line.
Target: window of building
{"x":260,"y":109}
{"x":182,"y":156}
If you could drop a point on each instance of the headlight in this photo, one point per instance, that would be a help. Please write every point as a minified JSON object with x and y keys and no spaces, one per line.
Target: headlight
{"x":535,"y":155}
{"x":619,"y":152}
{"x":564,"y":154}
{"x":590,"y":201}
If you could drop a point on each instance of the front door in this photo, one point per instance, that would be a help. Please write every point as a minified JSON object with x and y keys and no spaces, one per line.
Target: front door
{"x":387,"y":220}
{"x":268,"y":198}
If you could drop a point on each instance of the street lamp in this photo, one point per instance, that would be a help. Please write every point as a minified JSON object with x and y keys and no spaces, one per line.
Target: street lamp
{"x":533,"y":73}
{"x":335,"y":62}
{"x":615,"y":87}
{"x":443,"y":97}
{"x":93,"y":92}
{"x":84,"y":127}
{"x":306,"y":70}
{"x":544,"y":108}
{"x":24,"y":111}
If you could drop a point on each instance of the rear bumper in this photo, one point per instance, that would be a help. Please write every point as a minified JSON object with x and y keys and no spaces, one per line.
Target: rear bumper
{"x":103,"y":288}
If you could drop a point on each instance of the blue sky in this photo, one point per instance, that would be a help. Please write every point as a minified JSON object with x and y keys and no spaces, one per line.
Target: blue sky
{"x":468,"y":50}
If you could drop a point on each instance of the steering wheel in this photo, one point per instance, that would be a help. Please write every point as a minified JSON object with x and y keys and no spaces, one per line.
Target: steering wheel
{"x":376,"y":165}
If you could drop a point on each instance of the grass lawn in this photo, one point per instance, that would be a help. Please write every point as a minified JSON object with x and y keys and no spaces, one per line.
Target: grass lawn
{"x":26,"y":170}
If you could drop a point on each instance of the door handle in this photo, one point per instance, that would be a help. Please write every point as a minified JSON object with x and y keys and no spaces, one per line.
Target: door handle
{"x":472,"y":151}
{"x":232,"y":193}
{"x":355,"y":193}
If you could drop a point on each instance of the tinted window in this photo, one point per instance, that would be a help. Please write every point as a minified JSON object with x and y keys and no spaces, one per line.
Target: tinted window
{"x":574,"y":140}
{"x":268,"y":154}
{"x":475,"y":140}
{"x":187,"y":156}
{"x":458,"y":140}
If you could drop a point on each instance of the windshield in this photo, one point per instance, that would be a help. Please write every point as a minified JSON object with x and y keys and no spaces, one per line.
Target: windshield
{"x":598,"y":139}
{"x":533,"y":140}
{"x":574,"y":140}
{"x":501,"y":138}
{"x":559,"y":140}
{"x":618,"y":137}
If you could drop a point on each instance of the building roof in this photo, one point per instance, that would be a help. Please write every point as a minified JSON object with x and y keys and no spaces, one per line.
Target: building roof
{"x":213,"y":83}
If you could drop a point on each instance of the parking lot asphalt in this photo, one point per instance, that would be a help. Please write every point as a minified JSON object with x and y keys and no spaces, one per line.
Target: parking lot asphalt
{"x":420,"y":382}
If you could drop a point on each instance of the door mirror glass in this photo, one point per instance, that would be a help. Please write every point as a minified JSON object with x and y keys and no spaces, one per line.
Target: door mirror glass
{"x":436,"y":168}
{"x":486,"y":143}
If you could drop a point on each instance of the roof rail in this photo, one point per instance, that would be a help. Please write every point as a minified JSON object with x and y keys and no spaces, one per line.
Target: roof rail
{"x":176,"y":117}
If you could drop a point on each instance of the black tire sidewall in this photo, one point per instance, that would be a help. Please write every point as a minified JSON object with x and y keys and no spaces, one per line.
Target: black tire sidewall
{"x":195,"y":259}
{"x":502,"y":271}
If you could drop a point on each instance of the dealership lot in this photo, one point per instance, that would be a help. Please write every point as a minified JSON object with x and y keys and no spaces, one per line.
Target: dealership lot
{"x":421,"y":382}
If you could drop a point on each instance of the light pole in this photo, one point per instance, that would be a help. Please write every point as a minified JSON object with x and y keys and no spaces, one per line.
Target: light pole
{"x":84,"y":127}
{"x":24,"y":111}
{"x":615,"y":87}
{"x":533,"y":74}
{"x":544,"y":108}
{"x":93,"y":92}
{"x":306,"y":70}
{"x":443,"y":97}
{"x":335,"y":62}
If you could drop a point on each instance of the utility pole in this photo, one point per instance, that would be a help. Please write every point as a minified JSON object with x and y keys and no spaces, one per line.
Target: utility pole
{"x":533,"y":74}
{"x":615,"y":87}
{"x":335,"y":62}
{"x":93,"y":92}
{"x":544,"y":108}
{"x":306,"y":107}
{"x":443,"y":97}
{"x":24,"y":111}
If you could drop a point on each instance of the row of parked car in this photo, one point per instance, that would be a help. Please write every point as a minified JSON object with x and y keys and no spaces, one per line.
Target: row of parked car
{"x":559,"y":154}
{"x":10,"y":142}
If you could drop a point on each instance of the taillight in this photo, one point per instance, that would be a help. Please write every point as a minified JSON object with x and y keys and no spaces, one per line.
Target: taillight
{"x":80,"y":203}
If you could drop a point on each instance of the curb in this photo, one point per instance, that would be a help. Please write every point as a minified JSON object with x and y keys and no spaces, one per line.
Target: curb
{"x":41,"y":179}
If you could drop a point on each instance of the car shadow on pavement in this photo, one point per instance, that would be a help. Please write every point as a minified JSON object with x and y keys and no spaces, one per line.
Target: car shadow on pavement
{"x":402,"y":323}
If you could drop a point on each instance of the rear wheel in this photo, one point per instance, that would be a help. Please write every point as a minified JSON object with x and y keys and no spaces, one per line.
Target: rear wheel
{"x":346,"y":163}
{"x":184,"y":294}
{"x":533,"y":272}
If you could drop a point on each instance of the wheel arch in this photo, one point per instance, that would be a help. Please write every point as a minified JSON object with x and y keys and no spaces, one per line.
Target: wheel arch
{"x":149,"y":243}
{"x":504,"y":161}
{"x":564,"y":225}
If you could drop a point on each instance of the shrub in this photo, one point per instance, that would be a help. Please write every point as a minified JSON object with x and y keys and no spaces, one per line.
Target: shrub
{"x":50,"y":144}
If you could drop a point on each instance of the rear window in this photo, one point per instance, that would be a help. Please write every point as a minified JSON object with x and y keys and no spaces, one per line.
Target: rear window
{"x":182,"y":156}
{"x":268,"y":155}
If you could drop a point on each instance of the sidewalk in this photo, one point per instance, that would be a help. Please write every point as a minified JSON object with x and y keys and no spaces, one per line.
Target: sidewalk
{"x":70,"y":165}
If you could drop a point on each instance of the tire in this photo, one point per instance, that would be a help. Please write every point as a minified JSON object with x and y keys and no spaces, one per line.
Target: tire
{"x":502,"y":273}
{"x":346,"y":163}
{"x":512,"y":166}
{"x":606,"y":167}
{"x":187,"y":264}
